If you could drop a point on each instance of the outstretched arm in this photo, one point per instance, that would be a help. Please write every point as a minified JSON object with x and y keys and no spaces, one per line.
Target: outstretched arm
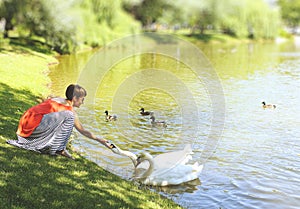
{"x":89,"y":134}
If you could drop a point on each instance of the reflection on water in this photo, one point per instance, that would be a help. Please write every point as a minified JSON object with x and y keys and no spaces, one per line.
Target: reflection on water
{"x":188,"y":187}
{"x":257,"y":162}
{"x":67,"y":71}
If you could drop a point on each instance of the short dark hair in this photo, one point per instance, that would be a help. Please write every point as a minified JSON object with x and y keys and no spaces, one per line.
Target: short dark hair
{"x":75,"y":90}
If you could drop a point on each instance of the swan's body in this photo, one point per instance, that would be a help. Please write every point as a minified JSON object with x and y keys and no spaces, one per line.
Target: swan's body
{"x":110,"y":117}
{"x":168,"y":169}
{"x":157,"y":123}
{"x":145,"y":113}
{"x":268,"y":106}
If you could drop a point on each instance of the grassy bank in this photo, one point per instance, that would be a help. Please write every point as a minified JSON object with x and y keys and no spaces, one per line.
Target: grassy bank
{"x":31,"y":180}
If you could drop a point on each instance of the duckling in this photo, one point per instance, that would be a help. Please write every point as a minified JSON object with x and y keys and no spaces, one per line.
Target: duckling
{"x":268,"y":106}
{"x":157,"y":123}
{"x":110,"y":117}
{"x":145,"y":113}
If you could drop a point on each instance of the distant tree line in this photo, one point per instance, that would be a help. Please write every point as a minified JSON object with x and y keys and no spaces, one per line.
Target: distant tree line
{"x":239,"y":18}
{"x":56,"y":22}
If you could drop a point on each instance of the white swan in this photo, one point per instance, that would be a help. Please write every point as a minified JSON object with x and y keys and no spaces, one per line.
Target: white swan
{"x":168,"y":168}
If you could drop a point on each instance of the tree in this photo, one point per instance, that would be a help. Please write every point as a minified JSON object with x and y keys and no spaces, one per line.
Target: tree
{"x":40,"y":18}
{"x":105,"y":10}
{"x":8,"y":10}
{"x":290,"y":12}
{"x":146,"y":11}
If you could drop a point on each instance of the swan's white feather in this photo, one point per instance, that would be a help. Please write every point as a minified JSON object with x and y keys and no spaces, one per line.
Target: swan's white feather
{"x":175,"y":176}
{"x":170,"y":159}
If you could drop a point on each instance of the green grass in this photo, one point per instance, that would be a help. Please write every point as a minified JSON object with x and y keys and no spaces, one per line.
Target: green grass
{"x":32,"y":180}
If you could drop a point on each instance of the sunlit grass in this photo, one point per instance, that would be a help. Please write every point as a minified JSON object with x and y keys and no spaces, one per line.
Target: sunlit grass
{"x":25,"y":69}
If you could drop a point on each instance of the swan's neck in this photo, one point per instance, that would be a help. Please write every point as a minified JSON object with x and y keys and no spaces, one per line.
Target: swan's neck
{"x":149,"y":170}
{"x":131,"y":155}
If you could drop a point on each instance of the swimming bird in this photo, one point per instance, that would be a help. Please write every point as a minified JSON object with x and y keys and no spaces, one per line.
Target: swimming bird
{"x":110,"y":117}
{"x":167,"y":169}
{"x":144,"y":113}
{"x":157,"y":123}
{"x":268,"y":106}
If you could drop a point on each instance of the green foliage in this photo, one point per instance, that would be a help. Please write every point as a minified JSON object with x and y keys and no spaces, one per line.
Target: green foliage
{"x":41,"y":18}
{"x":146,"y":11}
{"x":54,"y":25}
{"x":250,"y":18}
{"x":105,"y":10}
{"x":90,"y":32}
{"x":238,"y":18}
{"x":7,"y":10}
{"x":171,"y":15}
{"x":72,"y":24}
{"x":290,"y":10}
{"x":64,"y":25}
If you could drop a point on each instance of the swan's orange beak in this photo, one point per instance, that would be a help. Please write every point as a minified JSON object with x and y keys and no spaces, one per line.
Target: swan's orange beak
{"x":111,"y":145}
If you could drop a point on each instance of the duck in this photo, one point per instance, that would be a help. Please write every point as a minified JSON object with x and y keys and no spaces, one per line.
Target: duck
{"x":145,"y":113}
{"x":268,"y":106}
{"x":157,"y":123}
{"x":110,"y":117}
{"x":167,"y":169}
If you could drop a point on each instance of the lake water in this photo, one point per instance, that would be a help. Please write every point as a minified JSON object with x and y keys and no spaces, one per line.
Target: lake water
{"x":210,"y":95}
